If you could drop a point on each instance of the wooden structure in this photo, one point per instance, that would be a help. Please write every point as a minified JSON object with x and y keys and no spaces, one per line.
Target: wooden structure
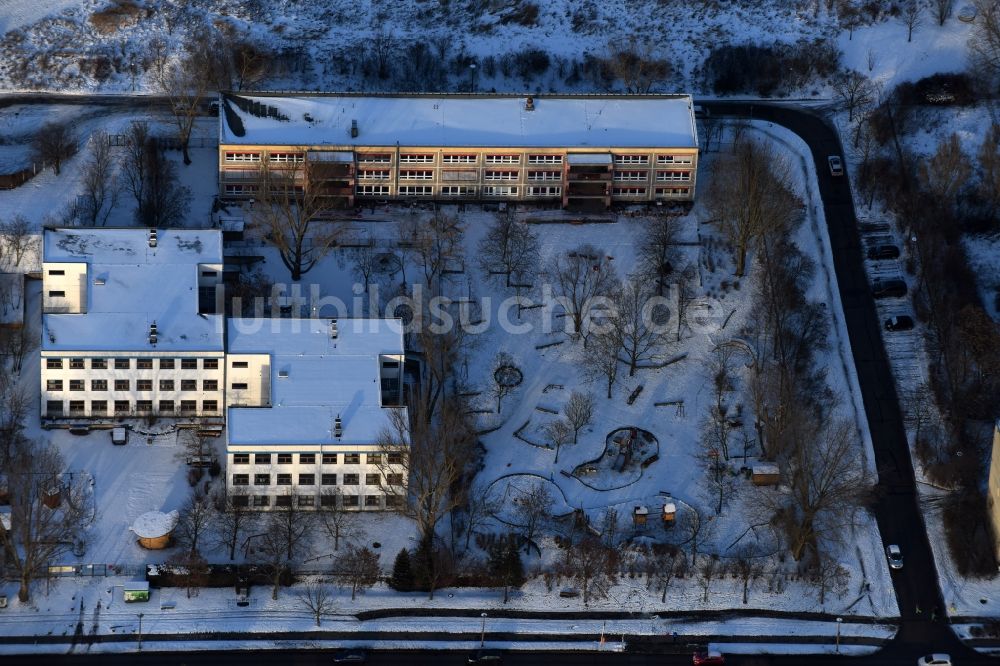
{"x":765,"y":474}
{"x":154,"y":529}
{"x":669,"y":514}
{"x":639,"y":516}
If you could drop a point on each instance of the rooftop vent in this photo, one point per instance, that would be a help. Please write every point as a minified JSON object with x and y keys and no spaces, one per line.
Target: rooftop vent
{"x":338,"y":427}
{"x":354,"y":129}
{"x":152,"y":333}
{"x":529,"y":103}
{"x":152,"y":238}
{"x":333,"y":329}
{"x":99,"y":281}
{"x":282,"y":374}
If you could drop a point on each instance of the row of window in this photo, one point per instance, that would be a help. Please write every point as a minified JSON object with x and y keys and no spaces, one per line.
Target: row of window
{"x":459,"y":191}
{"x":644,"y":175}
{"x":412,"y":174}
{"x":448,"y":158}
{"x":126,"y":407}
{"x":305,"y":501}
{"x":279,"y":158}
{"x":140,"y":385}
{"x":126,"y":363}
{"x":310,"y":458}
{"x":325,"y":479}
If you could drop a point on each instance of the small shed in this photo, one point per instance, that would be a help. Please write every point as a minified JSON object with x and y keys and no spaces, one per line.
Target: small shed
{"x":52,"y":495}
{"x":119,"y":436}
{"x":136,"y":590}
{"x":765,"y":474}
{"x":669,"y":514}
{"x":154,"y":529}
{"x":639,"y":515}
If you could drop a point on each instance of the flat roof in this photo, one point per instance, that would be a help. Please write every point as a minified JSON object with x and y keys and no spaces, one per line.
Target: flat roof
{"x":314,"y":379}
{"x":131,"y":285}
{"x":599,"y":121}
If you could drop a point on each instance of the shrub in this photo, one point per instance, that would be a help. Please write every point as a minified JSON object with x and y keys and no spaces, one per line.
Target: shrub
{"x":769,"y":69}
{"x":525,"y":14}
{"x":119,"y":15}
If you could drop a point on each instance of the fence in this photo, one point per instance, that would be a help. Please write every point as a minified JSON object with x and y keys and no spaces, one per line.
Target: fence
{"x":90,"y":570}
{"x":168,"y":142}
{"x":9,"y":181}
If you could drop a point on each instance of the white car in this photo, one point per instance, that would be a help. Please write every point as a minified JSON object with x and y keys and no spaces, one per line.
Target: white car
{"x":836,"y":165}
{"x":934,"y":660}
{"x":895,"y":556}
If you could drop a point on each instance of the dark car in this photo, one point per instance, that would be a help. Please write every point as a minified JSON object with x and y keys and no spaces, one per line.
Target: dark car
{"x":894,"y":288}
{"x":486,"y":657}
{"x":900,"y":323}
{"x":708,"y":658}
{"x":883,"y":252}
{"x":350,"y":657}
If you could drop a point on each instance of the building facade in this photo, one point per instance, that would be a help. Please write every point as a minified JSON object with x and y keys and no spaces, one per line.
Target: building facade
{"x":129,"y":327}
{"x":577,"y":152}
{"x":993,"y":489}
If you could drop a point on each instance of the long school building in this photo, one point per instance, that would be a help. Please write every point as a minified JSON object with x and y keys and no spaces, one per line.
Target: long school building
{"x":580,"y":152}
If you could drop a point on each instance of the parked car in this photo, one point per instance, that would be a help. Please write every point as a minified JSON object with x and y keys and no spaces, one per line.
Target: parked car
{"x":938,"y":659}
{"x":895,"y":556}
{"x":482,"y":656}
{"x":119,"y":436}
{"x":350,"y":657}
{"x":900,"y":323}
{"x":200,"y":461}
{"x":707,"y":657}
{"x":893,"y":288}
{"x":883,"y":252}
{"x":836,"y":165}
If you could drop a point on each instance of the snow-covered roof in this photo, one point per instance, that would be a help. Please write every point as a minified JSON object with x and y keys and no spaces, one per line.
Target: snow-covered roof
{"x":154,"y":524}
{"x":765,"y":468}
{"x":461,"y":120}
{"x":314,"y":379}
{"x":130,"y":285}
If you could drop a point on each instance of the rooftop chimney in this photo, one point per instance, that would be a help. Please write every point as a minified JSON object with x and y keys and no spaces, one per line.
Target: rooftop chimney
{"x":354,"y":129}
{"x":529,"y":103}
{"x":152,"y":333}
{"x":338,"y":427}
{"x":152,"y":238}
{"x":333,"y":329}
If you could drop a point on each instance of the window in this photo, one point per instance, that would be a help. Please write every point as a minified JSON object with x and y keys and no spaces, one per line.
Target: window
{"x":76,"y":407}
{"x":413,"y":158}
{"x":54,"y":407}
{"x":57,"y":272}
{"x":458,"y":159}
{"x":287,"y":158}
{"x":144,"y":364}
{"x":458,"y":191}
{"x":672,"y":191}
{"x":500,"y":175}
{"x":241,"y":458}
{"x":166,"y":406}
{"x":544,"y":191}
{"x":640,"y":176}
{"x":232,"y":156}
{"x":393,"y":501}
{"x":122,"y":407}
{"x":261,"y":479}
{"x":328,"y":479}
{"x":98,"y":384}
{"x":166,"y":385}
{"x":210,"y":405}
{"x":166,"y":364}
{"x":499,"y":191}
{"x":122,"y":364}
{"x":98,"y":364}
{"x":410,"y":174}
{"x":241,"y":364}
{"x":374,"y":458}
{"x":351,"y":479}
{"x":54,"y":385}
{"x":307,"y":458}
{"x":545,"y":159}
{"x":284,"y":458}
{"x":662,"y":176}
{"x":328,"y":500}
{"x":415,"y":190}
{"x":394,"y":479}
{"x":210,"y":364}
{"x":373,"y":501}
{"x":189,"y":364}
{"x":241,"y":479}
{"x":544,"y":175}
{"x":352,"y":458}
{"x":210,"y":385}
{"x":262,"y":459}
{"x":631,"y":159}
{"x":373,"y":479}
{"x":57,"y":294}
{"x":144,"y":406}
{"x":188,"y":406}
{"x":283,"y":500}
{"x":395,"y":458}
{"x":329,"y":458}
{"x":144,"y":385}
{"x":373,"y":190}
{"x":350,"y":501}
{"x":189,"y":384}
{"x":240,"y":500}
{"x":76,"y":364}
{"x":261,"y":500}
{"x":374,"y":174}
{"x":121,"y":384}
{"x":239,"y":386}
{"x":53,"y":363}
{"x":98,"y":407}
{"x":307,"y":479}
{"x":307,"y":500}
{"x":673,"y":159}
{"x":628,"y":191}
{"x":284,"y":479}
{"x":76,"y":385}
{"x":378,"y":158}
{"x":503,"y":159}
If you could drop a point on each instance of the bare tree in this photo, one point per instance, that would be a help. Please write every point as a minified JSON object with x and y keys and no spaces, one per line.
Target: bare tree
{"x":506,"y":377}
{"x":15,"y":402}
{"x":318,"y":600}
{"x":290,"y":213}
{"x":602,"y":362}
{"x":100,"y":184}
{"x":49,"y":511}
{"x":438,"y":246}
{"x":579,"y":412}
{"x":911,"y":15}
{"x":339,"y":522}
{"x":664,"y":563}
{"x":639,"y":65}
{"x":509,"y":248}
{"x":948,"y":175}
{"x":640,"y":324}
{"x":272,"y":547}
{"x":16,"y":344}
{"x":656,"y":246}
{"x":854,"y":90}
{"x":747,"y":569}
{"x":751,"y":196}
{"x":382,"y":47}
{"x":53,"y":143}
{"x":479,"y":510}
{"x":829,"y":576}
{"x":195,"y":520}
{"x":250,"y":63}
{"x":18,"y":239}
{"x":357,"y":567}
{"x":582,"y":277}
{"x":190,"y":570}
{"x":707,"y":572}
{"x":152,"y":180}
{"x":365,"y":265}
{"x":716,"y":433}
{"x":291,"y":526}
{"x":988,"y":186}
{"x":943,"y":10}
{"x":984,"y":43}
{"x":557,"y":433}
{"x":533,"y":509}
{"x":233,"y":518}
{"x":591,"y":565}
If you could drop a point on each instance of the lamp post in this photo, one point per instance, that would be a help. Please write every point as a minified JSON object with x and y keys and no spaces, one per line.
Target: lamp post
{"x":472,"y":77}
{"x":482,"y":634}
{"x":140,"y":632}
{"x":840,"y":621}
